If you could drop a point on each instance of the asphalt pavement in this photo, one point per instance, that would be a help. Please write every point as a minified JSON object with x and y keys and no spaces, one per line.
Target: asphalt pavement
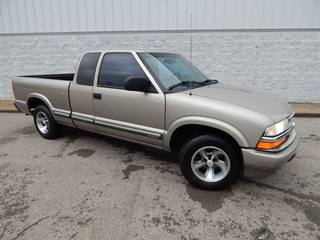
{"x":88,"y":186}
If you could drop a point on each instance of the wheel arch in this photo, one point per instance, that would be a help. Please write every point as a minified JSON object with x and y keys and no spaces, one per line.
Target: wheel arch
{"x":184,"y":128}
{"x":36,"y":99}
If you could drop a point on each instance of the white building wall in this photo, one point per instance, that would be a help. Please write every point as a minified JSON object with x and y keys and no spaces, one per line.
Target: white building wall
{"x":285,"y":64}
{"x":36,"y":16}
{"x":269,"y":45}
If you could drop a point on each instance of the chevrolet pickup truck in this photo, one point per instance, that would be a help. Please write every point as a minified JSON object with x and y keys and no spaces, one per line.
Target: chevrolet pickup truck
{"x":161,"y":100}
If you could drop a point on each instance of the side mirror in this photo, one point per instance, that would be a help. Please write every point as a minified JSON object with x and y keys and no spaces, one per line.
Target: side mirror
{"x":136,"y":83}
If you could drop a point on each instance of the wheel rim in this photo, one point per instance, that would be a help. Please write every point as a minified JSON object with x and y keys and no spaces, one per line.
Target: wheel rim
{"x":210,"y":164}
{"x":42,"y":122}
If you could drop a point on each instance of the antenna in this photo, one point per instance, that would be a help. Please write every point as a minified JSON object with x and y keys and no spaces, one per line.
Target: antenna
{"x":190,"y":39}
{"x":190,"y":48}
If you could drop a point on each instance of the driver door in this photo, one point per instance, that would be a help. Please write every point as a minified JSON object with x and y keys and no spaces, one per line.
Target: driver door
{"x":130,"y":115}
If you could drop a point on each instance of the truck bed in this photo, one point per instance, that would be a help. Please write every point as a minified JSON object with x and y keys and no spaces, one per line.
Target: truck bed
{"x":64,"y":76}
{"x":52,"y":89}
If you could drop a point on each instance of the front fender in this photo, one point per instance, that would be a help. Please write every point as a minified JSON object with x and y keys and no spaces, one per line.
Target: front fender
{"x":208,"y":122}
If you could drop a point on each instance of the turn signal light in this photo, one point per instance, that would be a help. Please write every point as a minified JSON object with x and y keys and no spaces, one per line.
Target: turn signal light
{"x":270,"y":145}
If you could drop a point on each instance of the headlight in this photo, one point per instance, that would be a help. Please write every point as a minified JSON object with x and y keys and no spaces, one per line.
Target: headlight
{"x":277,"y":128}
{"x":276,"y":135}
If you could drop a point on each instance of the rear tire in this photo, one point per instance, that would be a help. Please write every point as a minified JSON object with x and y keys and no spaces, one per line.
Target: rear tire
{"x":46,"y":126}
{"x":209,"y":162}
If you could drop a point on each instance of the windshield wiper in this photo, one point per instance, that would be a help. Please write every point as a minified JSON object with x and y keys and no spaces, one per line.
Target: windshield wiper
{"x":186,"y":83}
{"x":183,"y":83}
{"x":209,"y":81}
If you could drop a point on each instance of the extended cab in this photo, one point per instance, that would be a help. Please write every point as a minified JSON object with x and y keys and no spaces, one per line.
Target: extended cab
{"x":161,"y":100}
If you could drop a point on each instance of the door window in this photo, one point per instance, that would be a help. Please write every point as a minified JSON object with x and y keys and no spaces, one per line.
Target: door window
{"x":116,"y":67}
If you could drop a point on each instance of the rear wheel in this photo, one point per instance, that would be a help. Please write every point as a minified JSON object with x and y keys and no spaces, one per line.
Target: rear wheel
{"x":209,"y":162}
{"x":46,"y":126}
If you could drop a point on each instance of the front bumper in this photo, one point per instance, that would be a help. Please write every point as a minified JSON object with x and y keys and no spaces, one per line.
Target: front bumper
{"x":262,"y":164}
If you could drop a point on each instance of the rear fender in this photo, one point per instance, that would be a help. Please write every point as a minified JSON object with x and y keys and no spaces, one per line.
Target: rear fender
{"x":40,"y":97}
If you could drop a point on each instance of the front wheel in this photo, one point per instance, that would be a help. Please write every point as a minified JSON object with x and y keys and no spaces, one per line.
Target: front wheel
{"x":209,"y":162}
{"x":46,"y":126}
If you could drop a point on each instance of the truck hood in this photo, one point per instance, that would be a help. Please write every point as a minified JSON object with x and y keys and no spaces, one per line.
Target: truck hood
{"x":271,"y":106}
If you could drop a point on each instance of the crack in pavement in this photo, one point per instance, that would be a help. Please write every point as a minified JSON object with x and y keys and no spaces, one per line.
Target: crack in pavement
{"x":4,"y":230}
{"x":32,"y":225}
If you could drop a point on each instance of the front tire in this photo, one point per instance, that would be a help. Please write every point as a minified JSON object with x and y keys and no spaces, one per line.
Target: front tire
{"x":209,"y":162}
{"x":46,"y":126}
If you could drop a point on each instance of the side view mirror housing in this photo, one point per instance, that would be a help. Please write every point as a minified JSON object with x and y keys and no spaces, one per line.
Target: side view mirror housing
{"x":137,"y":83}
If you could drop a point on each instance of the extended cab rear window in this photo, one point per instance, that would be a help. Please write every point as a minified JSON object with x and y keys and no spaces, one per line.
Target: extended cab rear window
{"x":116,"y":67}
{"x":87,"y":69}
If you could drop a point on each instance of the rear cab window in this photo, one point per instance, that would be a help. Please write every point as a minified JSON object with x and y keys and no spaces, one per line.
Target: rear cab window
{"x":87,"y":69}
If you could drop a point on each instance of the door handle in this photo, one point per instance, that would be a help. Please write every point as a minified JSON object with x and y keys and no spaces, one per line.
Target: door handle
{"x":97,"y":96}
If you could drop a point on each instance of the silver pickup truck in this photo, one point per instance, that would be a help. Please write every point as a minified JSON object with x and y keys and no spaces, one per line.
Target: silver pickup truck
{"x":159,"y":99}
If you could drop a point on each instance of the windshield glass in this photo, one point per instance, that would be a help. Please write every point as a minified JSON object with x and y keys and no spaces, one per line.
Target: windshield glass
{"x":172,"y":69}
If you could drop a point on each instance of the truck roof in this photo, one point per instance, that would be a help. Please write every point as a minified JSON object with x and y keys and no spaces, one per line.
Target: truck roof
{"x":131,"y":51}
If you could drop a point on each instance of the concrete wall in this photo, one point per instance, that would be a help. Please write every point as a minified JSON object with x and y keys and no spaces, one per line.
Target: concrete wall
{"x":284,"y":63}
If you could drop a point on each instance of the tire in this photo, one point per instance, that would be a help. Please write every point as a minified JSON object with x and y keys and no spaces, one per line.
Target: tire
{"x":46,"y":126}
{"x":209,"y":162}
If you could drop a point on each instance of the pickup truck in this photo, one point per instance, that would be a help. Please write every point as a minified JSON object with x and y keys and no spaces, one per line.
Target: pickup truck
{"x":161,"y":100}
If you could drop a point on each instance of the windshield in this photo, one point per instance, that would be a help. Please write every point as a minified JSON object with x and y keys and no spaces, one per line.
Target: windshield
{"x":172,"y":70}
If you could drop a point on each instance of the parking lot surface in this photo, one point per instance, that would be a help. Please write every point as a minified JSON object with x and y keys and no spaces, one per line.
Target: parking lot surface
{"x":88,"y":186}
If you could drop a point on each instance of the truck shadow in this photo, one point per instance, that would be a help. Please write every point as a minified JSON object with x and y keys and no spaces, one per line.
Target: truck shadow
{"x":72,"y":134}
